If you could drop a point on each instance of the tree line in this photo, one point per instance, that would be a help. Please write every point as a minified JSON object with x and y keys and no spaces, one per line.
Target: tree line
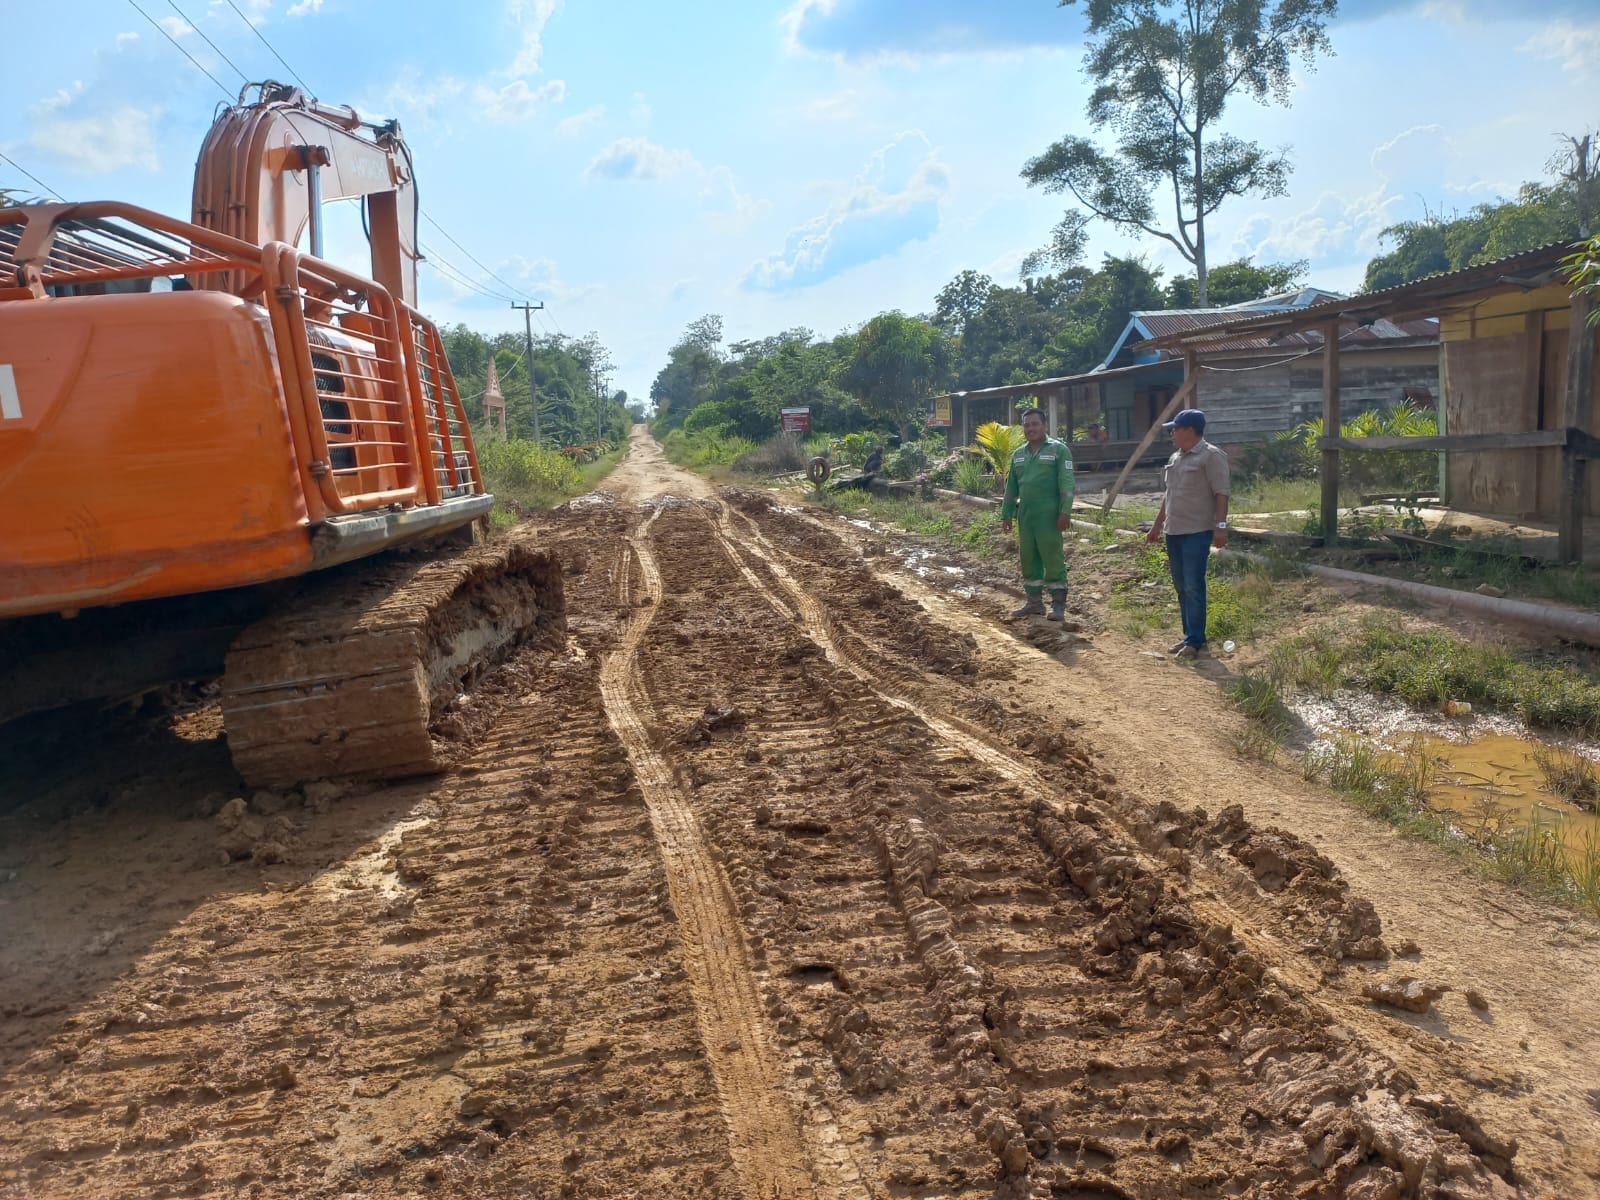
{"x":567,"y":374}
{"x":1162,"y":74}
{"x":979,"y":333}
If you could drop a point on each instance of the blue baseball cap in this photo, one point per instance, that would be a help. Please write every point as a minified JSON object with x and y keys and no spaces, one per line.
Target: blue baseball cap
{"x":1189,"y":418}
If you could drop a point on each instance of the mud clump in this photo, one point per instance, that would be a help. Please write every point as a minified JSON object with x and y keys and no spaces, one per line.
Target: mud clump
{"x":1316,"y":901}
{"x":1408,"y":993}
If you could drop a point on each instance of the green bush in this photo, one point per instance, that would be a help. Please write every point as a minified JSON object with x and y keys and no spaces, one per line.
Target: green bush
{"x":906,"y":462}
{"x":525,"y":475}
{"x":707,"y":449}
{"x":776,"y":456}
{"x":853,"y":448}
{"x":969,"y":478}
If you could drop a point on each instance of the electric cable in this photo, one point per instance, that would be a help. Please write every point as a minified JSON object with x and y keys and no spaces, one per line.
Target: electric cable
{"x":49,"y":191}
{"x":271,"y":47}
{"x":173,"y":4}
{"x":162,"y":30}
{"x":428,"y":217}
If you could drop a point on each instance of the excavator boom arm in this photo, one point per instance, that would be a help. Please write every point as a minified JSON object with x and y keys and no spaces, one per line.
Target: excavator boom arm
{"x":266,"y":169}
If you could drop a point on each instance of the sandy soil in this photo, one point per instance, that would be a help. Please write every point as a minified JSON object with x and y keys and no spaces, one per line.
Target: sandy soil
{"x":787,"y":874}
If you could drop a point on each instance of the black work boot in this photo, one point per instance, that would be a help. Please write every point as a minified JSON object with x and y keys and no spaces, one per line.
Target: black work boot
{"x":1033,"y":608}
{"x":1058,"y":606}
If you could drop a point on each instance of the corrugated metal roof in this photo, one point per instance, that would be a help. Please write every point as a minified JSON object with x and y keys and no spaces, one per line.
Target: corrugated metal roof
{"x":1402,"y":298}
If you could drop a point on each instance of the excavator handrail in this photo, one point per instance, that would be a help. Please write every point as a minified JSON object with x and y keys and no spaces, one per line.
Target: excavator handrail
{"x":83,"y":244}
{"x":377,"y":423}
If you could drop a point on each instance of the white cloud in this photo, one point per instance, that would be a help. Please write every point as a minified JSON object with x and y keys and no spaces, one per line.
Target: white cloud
{"x":1575,"y":47}
{"x":894,"y":201}
{"x":126,"y":39}
{"x":840,"y":107}
{"x":101,"y":143}
{"x":533,"y":16}
{"x":517,"y":101}
{"x":743,"y":209}
{"x":305,"y":8}
{"x":175,"y":26}
{"x":60,"y":100}
{"x":578,"y":122}
{"x":638,"y":158}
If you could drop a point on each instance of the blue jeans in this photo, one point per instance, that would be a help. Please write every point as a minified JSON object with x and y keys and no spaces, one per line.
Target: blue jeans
{"x":1187,"y":556}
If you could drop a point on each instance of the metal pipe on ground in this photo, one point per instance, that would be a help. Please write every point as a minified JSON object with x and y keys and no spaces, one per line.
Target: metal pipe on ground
{"x":1575,"y":626}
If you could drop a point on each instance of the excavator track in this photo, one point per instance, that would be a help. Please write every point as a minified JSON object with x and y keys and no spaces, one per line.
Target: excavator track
{"x":347,"y":679}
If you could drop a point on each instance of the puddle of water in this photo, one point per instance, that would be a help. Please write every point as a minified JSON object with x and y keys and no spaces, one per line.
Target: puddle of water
{"x":1484,"y":767}
{"x":1496,"y":778}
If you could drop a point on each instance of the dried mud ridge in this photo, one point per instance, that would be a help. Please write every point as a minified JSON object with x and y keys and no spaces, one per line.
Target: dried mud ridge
{"x":738,"y":891}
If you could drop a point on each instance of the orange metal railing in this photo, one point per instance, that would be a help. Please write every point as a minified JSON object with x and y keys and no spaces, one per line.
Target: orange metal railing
{"x":373,"y":409}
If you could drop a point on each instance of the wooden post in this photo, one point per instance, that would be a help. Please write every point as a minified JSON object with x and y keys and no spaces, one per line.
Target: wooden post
{"x":1575,"y":415}
{"x":1330,"y":428}
{"x":1069,"y":414}
{"x":1191,"y":384}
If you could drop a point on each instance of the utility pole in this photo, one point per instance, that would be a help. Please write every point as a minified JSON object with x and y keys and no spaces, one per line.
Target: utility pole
{"x":601,"y":396}
{"x":533,"y":388}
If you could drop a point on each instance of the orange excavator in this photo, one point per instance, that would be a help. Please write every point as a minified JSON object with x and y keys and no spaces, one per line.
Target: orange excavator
{"x":223,"y":456}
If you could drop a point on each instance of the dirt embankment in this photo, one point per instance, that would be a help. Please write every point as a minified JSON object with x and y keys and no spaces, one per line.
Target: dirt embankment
{"x":771,"y":880}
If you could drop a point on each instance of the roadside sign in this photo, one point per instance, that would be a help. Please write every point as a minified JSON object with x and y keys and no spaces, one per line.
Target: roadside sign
{"x":795,"y":420}
{"x":941,"y":411}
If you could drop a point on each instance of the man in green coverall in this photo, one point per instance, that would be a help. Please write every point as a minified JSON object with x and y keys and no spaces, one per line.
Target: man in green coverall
{"x":1041,"y":483}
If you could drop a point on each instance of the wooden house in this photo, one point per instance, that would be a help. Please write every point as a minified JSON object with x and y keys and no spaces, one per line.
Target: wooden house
{"x":1249,"y":386}
{"x":1516,"y":433}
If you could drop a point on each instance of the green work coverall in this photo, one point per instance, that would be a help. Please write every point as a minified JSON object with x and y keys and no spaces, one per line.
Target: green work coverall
{"x":1042,"y":484}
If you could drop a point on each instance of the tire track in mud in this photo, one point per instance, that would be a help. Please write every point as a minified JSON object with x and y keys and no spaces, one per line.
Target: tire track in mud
{"x":765,"y":1139}
{"x":488,"y":998}
{"x":1107,"y":1053}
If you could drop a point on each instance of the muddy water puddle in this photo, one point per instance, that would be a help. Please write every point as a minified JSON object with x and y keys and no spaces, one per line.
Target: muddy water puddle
{"x":1485,"y":768}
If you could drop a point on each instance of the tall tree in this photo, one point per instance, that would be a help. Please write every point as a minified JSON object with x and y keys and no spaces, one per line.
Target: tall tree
{"x":896,"y":364}
{"x":1163,"y":73}
{"x":1236,"y":282}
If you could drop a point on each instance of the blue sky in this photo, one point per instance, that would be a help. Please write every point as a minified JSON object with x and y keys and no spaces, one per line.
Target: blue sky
{"x":781,"y":162}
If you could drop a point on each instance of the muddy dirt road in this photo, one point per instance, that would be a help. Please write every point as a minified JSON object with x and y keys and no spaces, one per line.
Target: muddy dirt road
{"x":778,"y":876}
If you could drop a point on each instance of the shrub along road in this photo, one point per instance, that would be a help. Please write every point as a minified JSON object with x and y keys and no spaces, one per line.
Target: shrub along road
{"x":778,"y":876}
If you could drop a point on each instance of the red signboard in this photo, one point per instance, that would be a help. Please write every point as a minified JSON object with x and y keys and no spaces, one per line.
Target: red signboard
{"x":796,"y":420}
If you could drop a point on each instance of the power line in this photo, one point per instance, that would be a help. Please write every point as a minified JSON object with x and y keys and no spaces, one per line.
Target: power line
{"x":467,"y":252}
{"x":453,"y":273}
{"x":49,"y":191}
{"x":173,"y":4}
{"x":270,"y":46}
{"x":162,"y":30}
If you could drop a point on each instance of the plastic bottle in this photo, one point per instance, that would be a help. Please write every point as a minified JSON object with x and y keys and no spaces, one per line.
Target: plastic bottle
{"x":1227,"y":647}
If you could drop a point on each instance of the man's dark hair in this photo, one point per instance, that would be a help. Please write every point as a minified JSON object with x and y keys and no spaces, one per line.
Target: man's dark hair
{"x":1031,"y":412}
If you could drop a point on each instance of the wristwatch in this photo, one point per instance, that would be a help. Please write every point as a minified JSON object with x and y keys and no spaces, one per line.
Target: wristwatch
{"x":1222,"y":524}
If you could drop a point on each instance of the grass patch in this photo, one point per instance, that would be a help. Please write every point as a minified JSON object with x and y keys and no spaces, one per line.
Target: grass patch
{"x":1569,"y":775}
{"x":1268,"y":719}
{"x":704,"y":449}
{"x":1429,"y":667}
{"x":524,"y":475}
{"x":976,"y":532}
